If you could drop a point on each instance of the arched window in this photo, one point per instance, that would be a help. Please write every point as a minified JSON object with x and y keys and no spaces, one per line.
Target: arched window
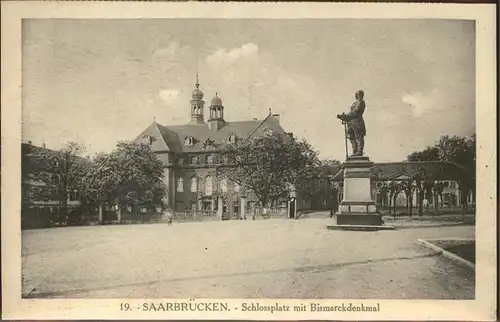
{"x":189,"y":141}
{"x":180,"y":185}
{"x":208,"y":186}
{"x":147,"y":140}
{"x":231,"y":139}
{"x":194,"y":184}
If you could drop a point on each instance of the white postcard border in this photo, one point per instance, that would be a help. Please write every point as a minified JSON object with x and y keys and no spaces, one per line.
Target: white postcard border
{"x":482,"y":308}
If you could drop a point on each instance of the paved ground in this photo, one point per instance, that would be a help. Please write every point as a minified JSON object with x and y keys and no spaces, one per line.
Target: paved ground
{"x":240,"y":259}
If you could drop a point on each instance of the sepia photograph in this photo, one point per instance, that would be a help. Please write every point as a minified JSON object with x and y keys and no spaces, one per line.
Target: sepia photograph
{"x":249,"y":158}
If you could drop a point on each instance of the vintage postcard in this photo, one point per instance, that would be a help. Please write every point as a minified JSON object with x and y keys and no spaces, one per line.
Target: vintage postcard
{"x":258,"y":161}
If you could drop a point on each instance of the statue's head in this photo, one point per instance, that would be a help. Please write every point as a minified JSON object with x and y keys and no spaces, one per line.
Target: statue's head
{"x":359,"y":94}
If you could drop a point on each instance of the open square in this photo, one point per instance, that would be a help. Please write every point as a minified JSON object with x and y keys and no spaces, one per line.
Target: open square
{"x":273,"y":258}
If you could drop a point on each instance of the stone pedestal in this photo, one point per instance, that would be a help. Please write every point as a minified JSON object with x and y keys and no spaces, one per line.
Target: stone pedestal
{"x":220,"y":209}
{"x":357,"y":210}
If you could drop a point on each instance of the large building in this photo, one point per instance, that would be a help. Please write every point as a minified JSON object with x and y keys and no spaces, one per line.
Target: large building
{"x":190,"y":153}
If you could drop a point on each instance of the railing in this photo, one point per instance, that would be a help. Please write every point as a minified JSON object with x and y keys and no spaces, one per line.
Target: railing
{"x":194,"y":215}
{"x":280,"y":212}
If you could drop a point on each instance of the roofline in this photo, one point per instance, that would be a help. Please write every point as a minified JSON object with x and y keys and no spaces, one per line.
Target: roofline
{"x":340,"y":172}
{"x":419,"y":162}
{"x":258,"y":127}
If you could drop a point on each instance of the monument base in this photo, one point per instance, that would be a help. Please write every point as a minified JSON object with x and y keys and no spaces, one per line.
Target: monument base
{"x":357,"y":210}
{"x":359,"y":227}
{"x":360,"y":219}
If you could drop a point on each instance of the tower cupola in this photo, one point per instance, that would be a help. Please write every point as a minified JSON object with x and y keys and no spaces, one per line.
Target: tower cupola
{"x":216,"y":120}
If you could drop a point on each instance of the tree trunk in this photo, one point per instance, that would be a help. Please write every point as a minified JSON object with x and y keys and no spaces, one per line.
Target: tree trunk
{"x":464,"y":201}
{"x":389,"y":199}
{"x":409,"y":201}
{"x":395,"y":197}
{"x":420,"y":202}
{"x":436,"y":203}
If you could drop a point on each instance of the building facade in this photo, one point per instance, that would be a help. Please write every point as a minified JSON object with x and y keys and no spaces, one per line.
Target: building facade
{"x":190,"y":153}
{"x":41,"y":204}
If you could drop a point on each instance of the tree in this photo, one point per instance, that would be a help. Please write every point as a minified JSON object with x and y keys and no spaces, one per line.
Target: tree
{"x":394,"y":189}
{"x":314,"y":183}
{"x":461,"y":151}
{"x":453,"y":149}
{"x":268,"y":165}
{"x":60,"y":171}
{"x":131,"y":175}
{"x":430,"y":153}
{"x":408,"y":187}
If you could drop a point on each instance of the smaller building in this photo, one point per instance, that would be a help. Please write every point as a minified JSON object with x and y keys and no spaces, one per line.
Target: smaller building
{"x":41,"y":204}
{"x":383,"y":174}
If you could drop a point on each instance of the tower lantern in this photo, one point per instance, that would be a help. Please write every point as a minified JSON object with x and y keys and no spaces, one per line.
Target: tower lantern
{"x":197,"y":104}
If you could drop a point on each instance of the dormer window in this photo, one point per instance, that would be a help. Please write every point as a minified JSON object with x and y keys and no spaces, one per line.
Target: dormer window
{"x":231,"y":139}
{"x":189,"y":141}
{"x":147,"y":140}
{"x":268,"y":131}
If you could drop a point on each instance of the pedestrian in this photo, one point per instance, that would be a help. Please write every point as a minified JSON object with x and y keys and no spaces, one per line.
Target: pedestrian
{"x":334,"y":206}
{"x":167,"y":213}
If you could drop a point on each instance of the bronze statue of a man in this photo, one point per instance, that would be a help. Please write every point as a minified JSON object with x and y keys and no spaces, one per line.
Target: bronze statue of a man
{"x":356,"y":128}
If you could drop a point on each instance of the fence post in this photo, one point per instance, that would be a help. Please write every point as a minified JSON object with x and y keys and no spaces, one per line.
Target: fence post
{"x":100,"y":214}
{"x":119,"y":214}
{"x":242,"y":208}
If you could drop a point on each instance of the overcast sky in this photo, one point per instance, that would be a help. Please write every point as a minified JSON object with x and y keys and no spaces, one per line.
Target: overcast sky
{"x":100,"y":81}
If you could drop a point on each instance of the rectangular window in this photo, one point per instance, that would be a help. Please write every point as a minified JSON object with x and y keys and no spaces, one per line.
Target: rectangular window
{"x":209,"y":159}
{"x":194,"y":159}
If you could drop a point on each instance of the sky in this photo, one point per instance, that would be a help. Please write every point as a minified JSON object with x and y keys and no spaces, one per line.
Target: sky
{"x":97,"y":82}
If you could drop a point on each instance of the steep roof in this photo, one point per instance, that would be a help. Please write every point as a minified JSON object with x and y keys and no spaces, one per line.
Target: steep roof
{"x":438,"y":170}
{"x":172,"y":137}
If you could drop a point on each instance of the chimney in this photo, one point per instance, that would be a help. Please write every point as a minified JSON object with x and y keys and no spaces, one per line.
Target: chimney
{"x":276,"y":117}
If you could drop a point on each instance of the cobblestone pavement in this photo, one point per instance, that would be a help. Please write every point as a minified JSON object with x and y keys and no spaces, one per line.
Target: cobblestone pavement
{"x":240,"y":259}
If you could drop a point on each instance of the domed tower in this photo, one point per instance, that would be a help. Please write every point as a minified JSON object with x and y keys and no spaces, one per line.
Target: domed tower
{"x":197,"y":104}
{"x":216,"y":120}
